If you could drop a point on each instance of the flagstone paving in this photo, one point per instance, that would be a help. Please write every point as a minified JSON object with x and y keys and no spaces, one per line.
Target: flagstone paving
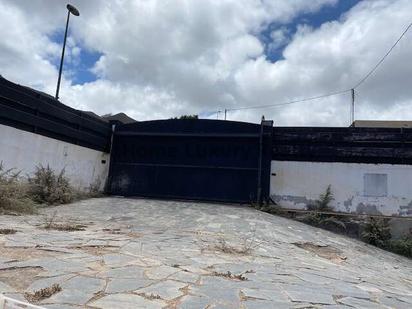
{"x":136,"y":253}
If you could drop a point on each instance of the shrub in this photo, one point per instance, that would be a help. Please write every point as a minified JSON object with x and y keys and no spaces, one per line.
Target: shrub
{"x":13,"y":193}
{"x":48,"y":188}
{"x":377,"y":232}
{"x":314,"y":219}
{"x":334,"y":224}
{"x":402,"y":246}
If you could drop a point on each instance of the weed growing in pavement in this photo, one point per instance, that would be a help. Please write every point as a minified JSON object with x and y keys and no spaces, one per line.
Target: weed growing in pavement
{"x":42,"y":294}
{"x":230,"y":276}
{"x":247,"y":245}
{"x":7,"y":231}
{"x":51,"y":224}
{"x":150,"y":296}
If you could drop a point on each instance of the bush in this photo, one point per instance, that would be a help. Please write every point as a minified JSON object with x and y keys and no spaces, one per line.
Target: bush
{"x":402,"y":246}
{"x":377,"y":232}
{"x":14,"y":193}
{"x":48,"y":188}
{"x":22,"y":195}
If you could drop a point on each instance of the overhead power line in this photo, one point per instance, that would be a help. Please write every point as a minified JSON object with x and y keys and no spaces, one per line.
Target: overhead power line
{"x":290,"y":102}
{"x":383,"y":58}
{"x":327,"y":94}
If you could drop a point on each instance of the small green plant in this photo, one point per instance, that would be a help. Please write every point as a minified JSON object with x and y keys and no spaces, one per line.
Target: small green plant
{"x":402,"y":246}
{"x":323,"y":203}
{"x":320,"y":219}
{"x":377,"y":232}
{"x":14,"y":193}
{"x":48,"y":188}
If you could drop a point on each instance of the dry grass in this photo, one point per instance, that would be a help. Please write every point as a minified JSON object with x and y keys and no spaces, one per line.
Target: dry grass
{"x":14,"y":197}
{"x":245,"y":246}
{"x":150,"y":296}
{"x":68,"y":227}
{"x":7,"y":231}
{"x":20,"y":195}
{"x":50,"y":224}
{"x":223,"y":246}
{"x":113,"y":231}
{"x":51,"y":188}
{"x":47,"y":187}
{"x":230,"y":276}
{"x":96,"y":250}
{"x":94,"y":189}
{"x":42,"y":294}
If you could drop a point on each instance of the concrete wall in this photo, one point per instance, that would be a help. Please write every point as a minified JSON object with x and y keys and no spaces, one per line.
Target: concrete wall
{"x":360,"y":188}
{"x":24,"y":150}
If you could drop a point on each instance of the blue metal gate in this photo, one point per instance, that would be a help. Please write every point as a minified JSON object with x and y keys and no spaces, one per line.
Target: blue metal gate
{"x":195,"y":159}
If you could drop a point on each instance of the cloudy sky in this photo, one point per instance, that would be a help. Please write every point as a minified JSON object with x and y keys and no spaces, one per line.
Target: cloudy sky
{"x":162,"y":58}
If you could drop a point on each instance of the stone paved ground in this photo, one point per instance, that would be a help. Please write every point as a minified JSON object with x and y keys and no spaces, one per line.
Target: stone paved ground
{"x":137,"y":253}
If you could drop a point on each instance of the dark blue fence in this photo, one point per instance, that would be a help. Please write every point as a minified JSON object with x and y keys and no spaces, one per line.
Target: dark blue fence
{"x":39,"y":113}
{"x":192,"y":159}
{"x":199,"y":159}
{"x":329,"y":144}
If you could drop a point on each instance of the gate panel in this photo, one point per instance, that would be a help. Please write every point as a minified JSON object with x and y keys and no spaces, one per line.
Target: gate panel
{"x":190,"y":159}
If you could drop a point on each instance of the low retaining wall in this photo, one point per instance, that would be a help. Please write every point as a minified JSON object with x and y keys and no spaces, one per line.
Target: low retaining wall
{"x":24,"y":151}
{"x":357,"y":187}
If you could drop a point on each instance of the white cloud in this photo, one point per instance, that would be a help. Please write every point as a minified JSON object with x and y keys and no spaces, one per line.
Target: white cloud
{"x":165,"y":58}
{"x":334,"y":57}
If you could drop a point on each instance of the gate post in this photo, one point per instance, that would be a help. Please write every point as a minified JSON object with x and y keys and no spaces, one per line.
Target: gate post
{"x":108,"y":186}
{"x":263,"y":125}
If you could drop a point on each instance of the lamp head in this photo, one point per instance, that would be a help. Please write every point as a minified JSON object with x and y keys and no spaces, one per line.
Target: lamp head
{"x":73,"y":10}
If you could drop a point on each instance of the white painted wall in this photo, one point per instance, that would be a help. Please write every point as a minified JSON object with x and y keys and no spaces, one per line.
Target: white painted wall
{"x":298,"y":183}
{"x":24,"y":151}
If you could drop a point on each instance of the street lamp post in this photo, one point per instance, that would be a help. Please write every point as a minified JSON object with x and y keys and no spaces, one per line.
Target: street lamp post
{"x":70,"y":10}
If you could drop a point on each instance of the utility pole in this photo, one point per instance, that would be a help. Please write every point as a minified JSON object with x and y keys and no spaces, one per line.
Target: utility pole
{"x":225,"y":113}
{"x":352,"y":109}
